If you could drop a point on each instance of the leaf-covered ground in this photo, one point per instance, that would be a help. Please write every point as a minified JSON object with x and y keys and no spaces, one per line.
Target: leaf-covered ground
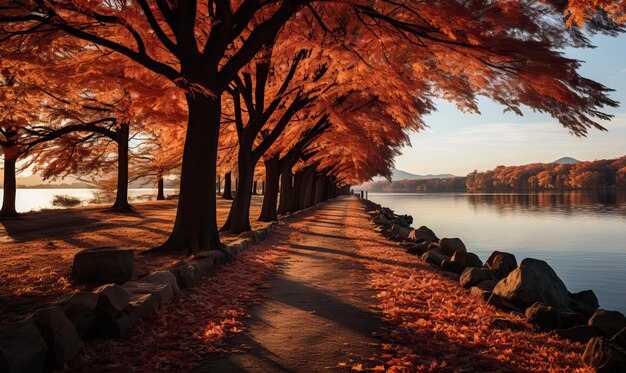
{"x":435,"y":325}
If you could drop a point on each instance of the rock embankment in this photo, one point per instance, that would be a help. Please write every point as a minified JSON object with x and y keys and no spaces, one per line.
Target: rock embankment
{"x":531,"y":289}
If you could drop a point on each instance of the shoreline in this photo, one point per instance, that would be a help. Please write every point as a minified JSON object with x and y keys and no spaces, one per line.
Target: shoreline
{"x":531,"y":290}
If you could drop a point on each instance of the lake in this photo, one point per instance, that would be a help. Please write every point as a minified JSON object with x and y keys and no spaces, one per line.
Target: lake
{"x":582,"y":235}
{"x":37,"y":199}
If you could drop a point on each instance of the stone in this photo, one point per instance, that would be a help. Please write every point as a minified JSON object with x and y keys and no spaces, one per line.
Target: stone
{"x":452,"y":245}
{"x":232,"y":249}
{"x":602,"y":356}
{"x":186,"y":275}
{"x":608,"y":323}
{"x":451,"y":275}
{"x":435,"y":246}
{"x":113,"y":327}
{"x":249,"y":235}
{"x":103,"y":265}
{"x":480,"y":293}
{"x":580,"y":334}
{"x":22,"y":348}
{"x":205,"y":266}
{"x":503,"y":304}
{"x":80,"y":309}
{"x":417,"y":248}
{"x":450,"y":266}
{"x":422,"y":234}
{"x":546,"y":318}
{"x":112,"y":299}
{"x":219,"y":257}
{"x":501,"y":263}
{"x":487,"y":285}
{"x":60,"y":335}
{"x":260,"y":234}
{"x":533,"y":281}
{"x":472,"y":276}
{"x":620,"y":338}
{"x":434,"y":257}
{"x":571,"y":319}
{"x":140,"y":306}
{"x":465,"y":259}
{"x":584,"y":302}
{"x":162,"y":293}
{"x":163,"y":277}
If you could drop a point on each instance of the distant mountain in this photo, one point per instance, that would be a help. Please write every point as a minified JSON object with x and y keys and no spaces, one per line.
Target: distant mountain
{"x":566,"y":160}
{"x":403,"y":175}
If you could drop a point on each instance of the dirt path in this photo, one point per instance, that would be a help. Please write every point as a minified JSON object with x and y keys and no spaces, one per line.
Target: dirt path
{"x":317,"y":316}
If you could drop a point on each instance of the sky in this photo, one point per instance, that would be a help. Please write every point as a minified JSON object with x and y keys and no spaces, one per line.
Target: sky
{"x":459,"y":143}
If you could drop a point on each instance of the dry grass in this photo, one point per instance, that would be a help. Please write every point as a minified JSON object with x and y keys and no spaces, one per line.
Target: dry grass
{"x":37,"y":249}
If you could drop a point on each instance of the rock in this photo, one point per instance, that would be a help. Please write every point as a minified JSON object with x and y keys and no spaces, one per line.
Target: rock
{"x":608,"y":323}
{"x":465,"y":259}
{"x":452,"y":245}
{"x":140,"y":306}
{"x":22,"y":348}
{"x":487,"y":285}
{"x":602,"y":356}
{"x":481,"y":293}
{"x":103,"y":265}
{"x":451,"y":275}
{"x":450,"y":266}
{"x":422,"y":234}
{"x":186,"y":275}
{"x":533,"y":281}
{"x":162,"y":293}
{"x":580,"y":334}
{"x":417,"y":248}
{"x":434,"y":257}
{"x":473,"y":276}
{"x":571,"y":319}
{"x":507,"y":324}
{"x":113,"y":327}
{"x":219,"y":257}
{"x":163,"y":277}
{"x":436,"y":246}
{"x":503,"y":304}
{"x":584,"y":302}
{"x":204,"y":266}
{"x":60,"y":335}
{"x":260,"y":234}
{"x":112,"y":299}
{"x":545,"y":317}
{"x":501,"y":263}
{"x":80,"y":309}
{"x":232,"y":249}
{"x":620,"y":338}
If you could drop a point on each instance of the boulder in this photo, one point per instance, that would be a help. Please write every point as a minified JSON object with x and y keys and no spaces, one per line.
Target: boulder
{"x":480,"y":293}
{"x":473,"y":276}
{"x":435,"y":246}
{"x":580,"y":334}
{"x":260,"y":234}
{"x":487,"y":285}
{"x":434,"y":257}
{"x":232,"y":249}
{"x":417,"y":248}
{"x":80,"y":309}
{"x":501,"y":263}
{"x":161,"y":293}
{"x":204,"y":267}
{"x":103,"y":265}
{"x":603,"y":356}
{"x":450,"y":266}
{"x":218,"y":257}
{"x":584,"y":302}
{"x":533,"y":281}
{"x":186,"y":275}
{"x":112,"y":299}
{"x":608,"y":323}
{"x":545,"y":317}
{"x":620,"y":338}
{"x":111,"y":327}
{"x":422,"y":234}
{"x":60,"y":335}
{"x":465,"y":259}
{"x":22,"y":348}
{"x":249,"y":235}
{"x":571,"y":319}
{"x":503,"y":304}
{"x":140,"y":306}
{"x":163,"y":277}
{"x":452,"y":245}
{"x":451,"y":275}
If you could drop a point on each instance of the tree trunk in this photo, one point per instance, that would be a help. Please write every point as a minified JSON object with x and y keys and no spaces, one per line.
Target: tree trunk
{"x":121,"y":198}
{"x":195,"y":227}
{"x":160,"y":188}
{"x":320,"y":189}
{"x":270,"y":196}
{"x":219,"y":185}
{"x":254,"y":188}
{"x":263,"y":187}
{"x":10,"y":186}
{"x":307,"y":190}
{"x":297,"y":191}
{"x":228,"y":194}
{"x":286,"y":191}
{"x":239,"y":215}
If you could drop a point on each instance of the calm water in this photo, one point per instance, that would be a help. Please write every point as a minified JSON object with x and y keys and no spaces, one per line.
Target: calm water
{"x":582,"y":235}
{"x":37,"y":199}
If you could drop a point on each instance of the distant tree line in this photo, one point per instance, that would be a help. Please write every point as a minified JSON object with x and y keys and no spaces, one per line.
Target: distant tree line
{"x":606,"y":173}
{"x":452,"y":184}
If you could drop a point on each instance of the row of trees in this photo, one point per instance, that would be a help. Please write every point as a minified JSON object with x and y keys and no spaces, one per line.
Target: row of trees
{"x":309,"y":95}
{"x":546,"y":176}
{"x":448,"y":184}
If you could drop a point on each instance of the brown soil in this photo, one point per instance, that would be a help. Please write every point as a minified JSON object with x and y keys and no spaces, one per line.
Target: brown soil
{"x":37,"y":249}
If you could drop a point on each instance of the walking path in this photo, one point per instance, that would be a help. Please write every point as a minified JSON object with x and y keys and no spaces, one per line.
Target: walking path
{"x":317,"y":316}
